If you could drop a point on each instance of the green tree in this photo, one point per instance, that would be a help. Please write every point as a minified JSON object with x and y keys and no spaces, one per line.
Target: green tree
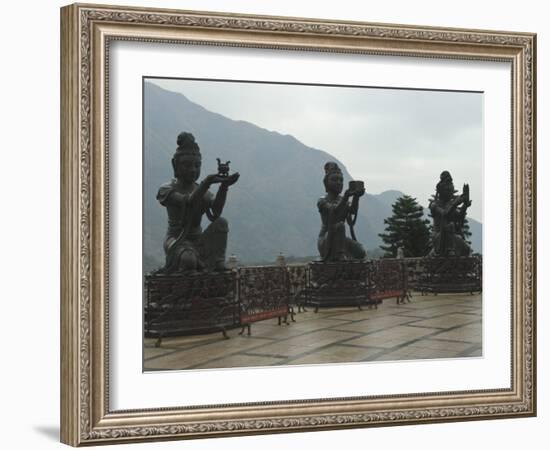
{"x":406,"y":228}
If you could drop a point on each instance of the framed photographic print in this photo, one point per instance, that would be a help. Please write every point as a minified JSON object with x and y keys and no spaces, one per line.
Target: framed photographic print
{"x":267,"y":222}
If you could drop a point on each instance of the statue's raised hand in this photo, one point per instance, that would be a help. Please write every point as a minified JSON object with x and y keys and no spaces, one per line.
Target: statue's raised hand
{"x":230,"y":179}
{"x":466,"y":195}
{"x":214,"y":179}
{"x":347,"y":194}
{"x":359,"y":193}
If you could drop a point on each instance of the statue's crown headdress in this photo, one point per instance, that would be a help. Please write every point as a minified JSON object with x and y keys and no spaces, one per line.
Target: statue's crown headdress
{"x":445,"y":176}
{"x":187,"y":144}
{"x":331,"y":167}
{"x":444,"y":179}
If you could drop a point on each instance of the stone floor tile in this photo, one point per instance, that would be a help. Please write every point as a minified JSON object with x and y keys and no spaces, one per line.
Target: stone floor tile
{"x":474,"y":353}
{"x":434,"y":311}
{"x":201,"y":354}
{"x":304,"y":343}
{"x":446,"y":321}
{"x":463,"y":334}
{"x":374,"y":324}
{"x":336,"y":354}
{"x":428,"y":327}
{"x":153,"y":352}
{"x":414,"y":353}
{"x":449,"y":348}
{"x":398,"y":335}
{"x":241,"y":360}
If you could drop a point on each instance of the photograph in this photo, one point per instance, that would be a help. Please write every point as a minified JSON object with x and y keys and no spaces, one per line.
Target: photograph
{"x":290,"y":223}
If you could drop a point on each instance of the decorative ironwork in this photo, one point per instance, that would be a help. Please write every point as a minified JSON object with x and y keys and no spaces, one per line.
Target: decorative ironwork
{"x":450,"y":275}
{"x":342,"y":283}
{"x":298,"y":279}
{"x":192,"y":303}
{"x":414,"y":268}
{"x":263,"y":294}
{"x":387,"y":278}
{"x":178,"y":304}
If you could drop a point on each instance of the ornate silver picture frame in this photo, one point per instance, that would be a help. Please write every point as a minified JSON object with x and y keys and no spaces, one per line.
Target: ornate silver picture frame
{"x":89,"y":414}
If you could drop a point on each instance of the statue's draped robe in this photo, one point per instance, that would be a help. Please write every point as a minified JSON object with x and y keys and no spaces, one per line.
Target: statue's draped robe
{"x":184,"y":233}
{"x":332,"y":243}
{"x":447,"y":233}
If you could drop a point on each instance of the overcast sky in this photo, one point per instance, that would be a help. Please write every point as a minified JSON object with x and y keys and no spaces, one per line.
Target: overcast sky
{"x":389,"y":138}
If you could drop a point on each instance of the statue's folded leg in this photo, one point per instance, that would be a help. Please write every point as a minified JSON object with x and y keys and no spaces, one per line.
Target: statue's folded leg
{"x":322,"y":246}
{"x":355,"y":250}
{"x":333,"y":246}
{"x":213,"y":244}
{"x":182,"y":257}
{"x":461,"y":247}
{"x":436,"y":245}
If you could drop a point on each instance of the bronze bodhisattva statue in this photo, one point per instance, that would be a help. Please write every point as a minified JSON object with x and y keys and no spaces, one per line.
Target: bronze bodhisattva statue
{"x":449,"y":213}
{"x":336,"y":211}
{"x":187,"y":246}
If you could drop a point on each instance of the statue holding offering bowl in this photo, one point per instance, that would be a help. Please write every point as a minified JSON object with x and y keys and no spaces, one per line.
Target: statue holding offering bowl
{"x":187,"y":246}
{"x":336,"y":210}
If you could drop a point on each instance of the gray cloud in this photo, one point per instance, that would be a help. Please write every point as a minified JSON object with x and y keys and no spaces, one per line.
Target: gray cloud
{"x":390,"y":138}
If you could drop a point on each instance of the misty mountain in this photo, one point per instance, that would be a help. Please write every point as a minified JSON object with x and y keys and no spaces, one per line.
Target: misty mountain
{"x":272,"y":208}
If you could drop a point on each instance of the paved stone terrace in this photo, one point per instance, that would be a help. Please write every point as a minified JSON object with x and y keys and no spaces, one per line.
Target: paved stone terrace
{"x":434,"y":326}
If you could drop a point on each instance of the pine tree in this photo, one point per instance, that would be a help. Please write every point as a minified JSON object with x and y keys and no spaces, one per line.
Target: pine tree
{"x":406,"y":228}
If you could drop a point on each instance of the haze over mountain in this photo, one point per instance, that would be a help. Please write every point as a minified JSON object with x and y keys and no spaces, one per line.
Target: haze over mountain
{"x":272,"y":208}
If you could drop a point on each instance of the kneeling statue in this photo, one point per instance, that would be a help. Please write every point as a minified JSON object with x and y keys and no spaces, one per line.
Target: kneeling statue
{"x":335,"y":211}
{"x":449,"y":215}
{"x":186,"y":245}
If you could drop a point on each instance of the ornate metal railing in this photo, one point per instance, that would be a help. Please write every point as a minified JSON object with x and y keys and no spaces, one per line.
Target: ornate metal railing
{"x":298,"y":280}
{"x":337,"y":284}
{"x":263,"y":293}
{"x":196,"y":303}
{"x":176,"y":305}
{"x":450,"y":275}
{"x":388,"y":278}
